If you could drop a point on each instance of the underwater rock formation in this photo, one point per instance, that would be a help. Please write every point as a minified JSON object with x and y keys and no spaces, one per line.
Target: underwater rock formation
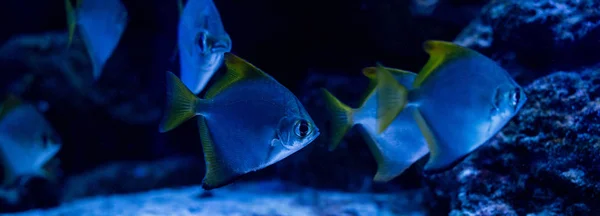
{"x":255,"y":198}
{"x":546,"y":161}
{"x":534,"y":38}
{"x":42,"y":68}
{"x":131,"y":176}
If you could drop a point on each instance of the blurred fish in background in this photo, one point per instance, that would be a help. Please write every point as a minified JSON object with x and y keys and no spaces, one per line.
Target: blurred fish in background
{"x":27,"y":141}
{"x":100,"y":23}
{"x":202,"y":41}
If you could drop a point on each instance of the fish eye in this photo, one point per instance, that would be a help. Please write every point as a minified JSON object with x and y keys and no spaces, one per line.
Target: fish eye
{"x":302,"y":128}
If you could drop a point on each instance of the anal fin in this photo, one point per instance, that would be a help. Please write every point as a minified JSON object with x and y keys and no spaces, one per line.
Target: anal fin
{"x":218,"y":174}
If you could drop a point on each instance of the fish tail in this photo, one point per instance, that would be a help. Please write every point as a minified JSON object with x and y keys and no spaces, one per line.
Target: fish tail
{"x":341,"y":120}
{"x":71,"y":20}
{"x":181,"y":104}
{"x":391,"y":98}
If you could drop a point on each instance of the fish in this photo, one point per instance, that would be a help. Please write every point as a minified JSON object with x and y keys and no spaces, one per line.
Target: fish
{"x":202,"y":42}
{"x":398,"y":147}
{"x":247,"y":121}
{"x":101,"y":24}
{"x":28,"y":141}
{"x":459,"y":99}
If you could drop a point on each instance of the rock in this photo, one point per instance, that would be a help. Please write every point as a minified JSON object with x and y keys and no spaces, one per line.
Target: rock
{"x":29,"y":192}
{"x":534,"y":38}
{"x":42,"y":68}
{"x":254,"y":198}
{"x":129,"y":177}
{"x":546,"y":161}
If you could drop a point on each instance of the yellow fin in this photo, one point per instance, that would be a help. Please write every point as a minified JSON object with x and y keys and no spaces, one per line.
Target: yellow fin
{"x":371,"y":72}
{"x":237,"y":69}
{"x":439,"y":52}
{"x":71,"y":20}
{"x":181,"y":104}
{"x":391,"y":98}
{"x":432,"y":143}
{"x":11,"y":102}
{"x":217,"y":174}
{"x":341,"y":118}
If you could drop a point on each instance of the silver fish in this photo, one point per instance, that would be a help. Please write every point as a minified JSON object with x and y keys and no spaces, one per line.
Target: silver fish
{"x":27,"y":141}
{"x":460,"y":98}
{"x":202,"y":42}
{"x":396,"y":148}
{"x":101,"y":24}
{"x":247,"y":121}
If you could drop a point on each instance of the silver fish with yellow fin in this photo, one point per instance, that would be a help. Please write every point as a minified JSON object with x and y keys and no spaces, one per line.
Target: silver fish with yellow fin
{"x":398,"y":147}
{"x":460,"y":99}
{"x":27,"y":141}
{"x":247,"y":121}
{"x":202,"y":42}
{"x":101,"y":24}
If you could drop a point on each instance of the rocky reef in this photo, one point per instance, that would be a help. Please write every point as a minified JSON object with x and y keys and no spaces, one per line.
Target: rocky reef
{"x":534,"y":38}
{"x":544,"y":162}
{"x":253,"y":198}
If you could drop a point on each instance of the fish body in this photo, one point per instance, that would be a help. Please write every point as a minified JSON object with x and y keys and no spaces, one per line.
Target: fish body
{"x":202,"y":42}
{"x":460,"y":99}
{"x":247,"y":121}
{"x":398,"y":146}
{"x":27,"y":141}
{"x":101,"y":24}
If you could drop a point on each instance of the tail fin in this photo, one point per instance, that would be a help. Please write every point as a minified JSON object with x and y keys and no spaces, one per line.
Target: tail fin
{"x":391,"y":98}
{"x":71,"y":20}
{"x":341,"y":120}
{"x":181,"y":104}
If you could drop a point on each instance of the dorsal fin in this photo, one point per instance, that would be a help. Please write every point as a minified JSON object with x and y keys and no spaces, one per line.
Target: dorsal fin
{"x":440,"y":52}
{"x":371,"y":73}
{"x":10,"y":103}
{"x":237,"y":69}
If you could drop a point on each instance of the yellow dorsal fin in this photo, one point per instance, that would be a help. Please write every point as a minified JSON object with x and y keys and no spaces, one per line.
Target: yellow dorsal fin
{"x":11,"y":102}
{"x":391,"y":98}
{"x":371,"y":73}
{"x":237,"y":69}
{"x":439,"y":52}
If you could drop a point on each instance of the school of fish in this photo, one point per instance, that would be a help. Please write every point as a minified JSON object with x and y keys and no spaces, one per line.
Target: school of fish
{"x":247,"y":120}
